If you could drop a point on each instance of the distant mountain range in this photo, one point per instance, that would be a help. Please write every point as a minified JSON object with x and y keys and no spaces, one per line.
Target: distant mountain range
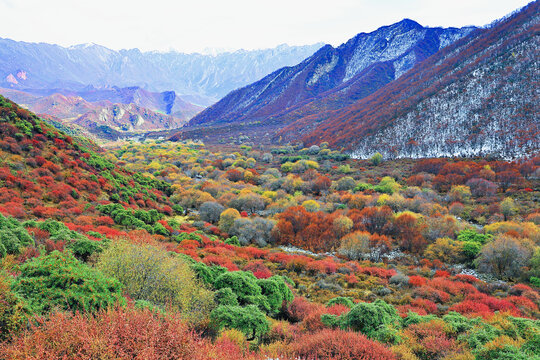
{"x":329,"y":79}
{"x":476,"y":97}
{"x":205,"y":78}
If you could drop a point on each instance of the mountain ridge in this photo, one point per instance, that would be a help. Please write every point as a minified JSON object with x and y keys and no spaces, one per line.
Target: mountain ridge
{"x":365,"y":57}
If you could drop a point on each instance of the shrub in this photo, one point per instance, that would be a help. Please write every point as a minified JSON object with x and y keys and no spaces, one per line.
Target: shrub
{"x":347,"y":301}
{"x":249,"y":320}
{"x":113,"y":334}
{"x":369,"y":318}
{"x":13,"y":311}
{"x":59,"y":280}
{"x":277,"y":293}
{"x":151,"y":274}
{"x":338,"y":345}
{"x":244,"y":284}
{"x":505,"y":256}
{"x":13,"y":236}
{"x":210,"y":211}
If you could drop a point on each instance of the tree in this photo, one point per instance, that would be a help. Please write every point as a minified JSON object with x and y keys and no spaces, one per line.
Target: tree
{"x":376,"y":159}
{"x":151,"y":274}
{"x":355,"y":246}
{"x":446,"y":250}
{"x":508,"y":208}
{"x":249,"y":320}
{"x":59,"y":280}
{"x":226,"y":219}
{"x":210,"y":211}
{"x":505,"y":256}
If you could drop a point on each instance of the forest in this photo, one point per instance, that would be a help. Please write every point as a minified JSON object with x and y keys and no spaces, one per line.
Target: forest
{"x":181,"y":250}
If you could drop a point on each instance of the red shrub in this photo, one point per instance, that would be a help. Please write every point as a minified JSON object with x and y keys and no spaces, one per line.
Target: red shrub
{"x":115,"y":334}
{"x":216,"y":260}
{"x":339,"y":345}
{"x":416,"y":280}
{"x":378,"y":272}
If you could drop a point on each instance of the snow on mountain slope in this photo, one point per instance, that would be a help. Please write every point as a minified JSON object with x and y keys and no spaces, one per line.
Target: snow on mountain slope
{"x":208,"y":77}
{"x":354,"y":69}
{"x":479,"y":96}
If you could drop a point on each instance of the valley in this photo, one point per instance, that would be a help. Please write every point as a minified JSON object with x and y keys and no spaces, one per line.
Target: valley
{"x":376,"y":200}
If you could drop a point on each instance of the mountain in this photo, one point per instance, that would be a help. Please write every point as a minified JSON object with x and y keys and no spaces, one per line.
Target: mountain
{"x":204,"y":77}
{"x":478,"y":96}
{"x":349,"y":72}
{"x":109,"y":113}
{"x":167,"y":102}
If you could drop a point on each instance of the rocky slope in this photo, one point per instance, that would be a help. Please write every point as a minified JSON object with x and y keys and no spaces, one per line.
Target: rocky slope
{"x":478,"y":96}
{"x":332,"y":77}
{"x":105,"y":118}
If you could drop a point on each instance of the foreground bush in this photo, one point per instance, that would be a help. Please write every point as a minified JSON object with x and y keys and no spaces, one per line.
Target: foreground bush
{"x":112,"y":334}
{"x":59,"y":280}
{"x":338,"y":345}
{"x":151,"y":274}
{"x":13,"y":314}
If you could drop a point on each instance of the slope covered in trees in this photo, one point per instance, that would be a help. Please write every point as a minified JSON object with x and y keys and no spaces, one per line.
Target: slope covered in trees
{"x":478,"y":96}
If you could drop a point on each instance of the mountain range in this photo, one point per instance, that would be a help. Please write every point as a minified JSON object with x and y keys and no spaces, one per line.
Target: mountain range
{"x":205,"y":78}
{"x":403,"y":90}
{"x":476,"y":97}
{"x":110,"y":113}
{"x":329,"y":79}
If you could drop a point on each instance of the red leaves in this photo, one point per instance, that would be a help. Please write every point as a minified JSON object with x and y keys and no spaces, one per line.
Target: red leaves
{"x":378,"y":272}
{"x":339,"y":345}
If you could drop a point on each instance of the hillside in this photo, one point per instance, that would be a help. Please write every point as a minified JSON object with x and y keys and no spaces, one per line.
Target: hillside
{"x":479,"y":96}
{"x":110,"y":113}
{"x":46,"y":174}
{"x":204,"y":77}
{"x":331,"y":78}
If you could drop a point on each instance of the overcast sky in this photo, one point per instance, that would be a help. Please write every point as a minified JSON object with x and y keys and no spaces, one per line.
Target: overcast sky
{"x":193,"y":25}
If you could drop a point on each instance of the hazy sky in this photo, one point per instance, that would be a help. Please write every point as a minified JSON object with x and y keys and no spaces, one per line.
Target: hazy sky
{"x":194,"y":25}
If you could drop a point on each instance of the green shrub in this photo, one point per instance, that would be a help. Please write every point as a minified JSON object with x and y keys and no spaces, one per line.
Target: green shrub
{"x":249,"y":320}
{"x":387,"y":185}
{"x":59,"y":280}
{"x":13,"y":236}
{"x":277,"y":293}
{"x":244,"y":284}
{"x":347,"y":301}
{"x":226,"y":296}
{"x":369,"y":318}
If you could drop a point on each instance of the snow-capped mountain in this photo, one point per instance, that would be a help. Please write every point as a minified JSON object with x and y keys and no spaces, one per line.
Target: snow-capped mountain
{"x":332,"y":77}
{"x":206,"y":77}
{"x":476,"y":97}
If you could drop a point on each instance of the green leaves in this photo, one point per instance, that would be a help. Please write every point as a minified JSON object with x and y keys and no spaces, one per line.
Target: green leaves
{"x":249,"y":320}
{"x":59,"y":280}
